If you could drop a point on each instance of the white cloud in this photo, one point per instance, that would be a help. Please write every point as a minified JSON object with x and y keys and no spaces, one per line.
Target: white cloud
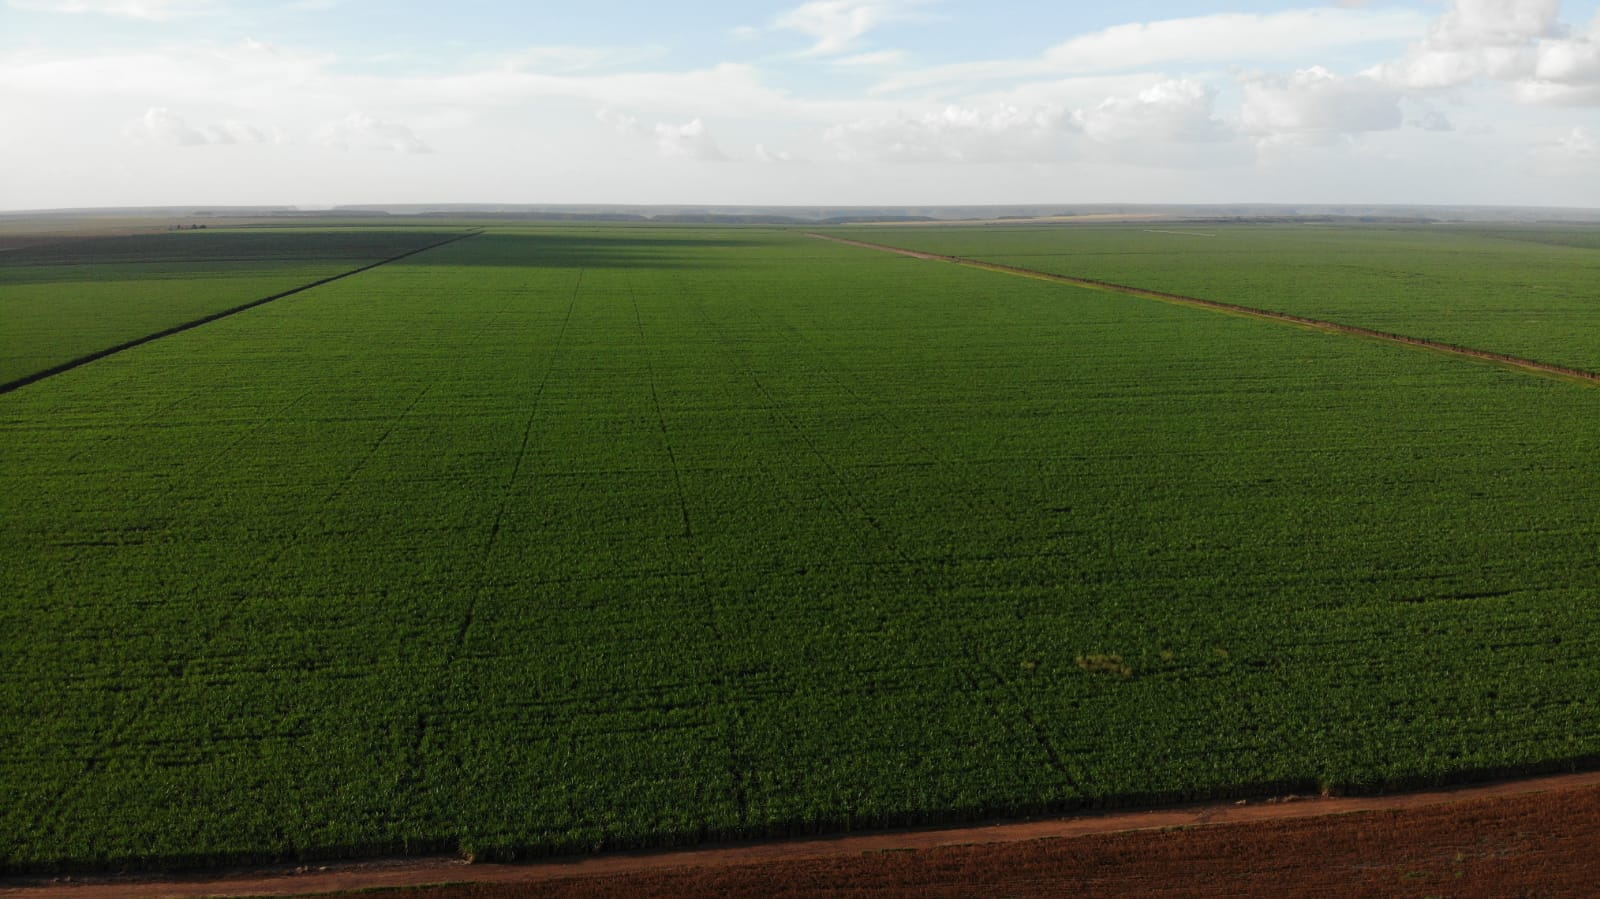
{"x":1171,"y":125}
{"x":774,"y":157}
{"x":1316,"y":106}
{"x":1580,"y":143}
{"x":1518,"y":41}
{"x":623,"y":124}
{"x":1552,"y":93}
{"x":691,"y":140}
{"x":959,"y":134}
{"x":1571,"y":61}
{"x":1431,"y":120}
{"x":1224,"y":38}
{"x":160,"y":125}
{"x":360,"y":131}
{"x":1180,"y":111}
{"x":1119,"y":113}
{"x":1474,"y":24}
{"x":1569,"y":158}
{"x":149,"y":10}
{"x":837,"y":25}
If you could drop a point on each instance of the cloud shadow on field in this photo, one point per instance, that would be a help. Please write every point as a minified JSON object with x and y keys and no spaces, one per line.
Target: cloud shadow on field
{"x":589,"y":250}
{"x":246,"y":252}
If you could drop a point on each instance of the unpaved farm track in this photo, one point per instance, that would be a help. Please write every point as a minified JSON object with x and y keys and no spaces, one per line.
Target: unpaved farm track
{"x":1542,"y":830}
{"x":1533,"y":365}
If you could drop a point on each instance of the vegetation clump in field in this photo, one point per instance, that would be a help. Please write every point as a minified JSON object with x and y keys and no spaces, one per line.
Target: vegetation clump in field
{"x":1099,"y":663}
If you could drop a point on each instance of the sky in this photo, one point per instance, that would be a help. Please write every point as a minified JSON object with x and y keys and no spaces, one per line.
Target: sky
{"x":314,"y":103}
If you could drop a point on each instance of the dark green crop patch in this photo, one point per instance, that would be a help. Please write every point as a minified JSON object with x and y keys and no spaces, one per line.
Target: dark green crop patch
{"x":64,"y":300}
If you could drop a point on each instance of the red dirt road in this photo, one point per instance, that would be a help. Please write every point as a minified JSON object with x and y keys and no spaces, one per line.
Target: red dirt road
{"x":1539,"y":836}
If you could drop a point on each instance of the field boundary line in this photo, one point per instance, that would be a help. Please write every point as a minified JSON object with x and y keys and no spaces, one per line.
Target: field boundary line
{"x":292,"y":879}
{"x":97,"y":355}
{"x":1504,"y":359}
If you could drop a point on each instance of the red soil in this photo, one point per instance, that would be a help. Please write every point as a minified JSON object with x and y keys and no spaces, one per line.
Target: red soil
{"x":1535,"y":845}
{"x":1537,"y":836}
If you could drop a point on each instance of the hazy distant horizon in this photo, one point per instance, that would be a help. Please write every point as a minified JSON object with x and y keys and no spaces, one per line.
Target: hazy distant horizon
{"x":1443,"y":213}
{"x":320,"y":103}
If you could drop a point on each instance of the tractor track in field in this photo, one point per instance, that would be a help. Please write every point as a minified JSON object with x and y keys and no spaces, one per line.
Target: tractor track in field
{"x":1242,"y":820}
{"x":1502,"y":359}
{"x":97,"y":355}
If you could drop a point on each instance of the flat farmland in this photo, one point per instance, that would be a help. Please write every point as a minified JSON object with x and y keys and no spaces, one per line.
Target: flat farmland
{"x":1527,"y":291}
{"x":68,"y":297}
{"x":571,"y":539}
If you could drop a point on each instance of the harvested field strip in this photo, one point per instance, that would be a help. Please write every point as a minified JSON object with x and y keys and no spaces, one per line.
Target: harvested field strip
{"x":989,"y":850}
{"x":70,"y":364}
{"x":1532,"y":365}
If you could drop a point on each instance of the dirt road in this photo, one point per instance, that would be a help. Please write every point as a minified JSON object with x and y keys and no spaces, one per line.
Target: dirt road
{"x":1531,"y":365}
{"x":1240,"y":819}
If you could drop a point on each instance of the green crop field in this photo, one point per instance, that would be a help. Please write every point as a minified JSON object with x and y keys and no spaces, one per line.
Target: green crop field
{"x":1525,"y":291}
{"x":70,"y":298}
{"x":567,"y":539}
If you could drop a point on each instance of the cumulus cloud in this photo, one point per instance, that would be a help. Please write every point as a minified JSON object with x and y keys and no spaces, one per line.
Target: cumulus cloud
{"x":1567,"y":156}
{"x":1570,"y":61}
{"x":360,"y":131}
{"x":1580,"y":143}
{"x":1518,"y":41}
{"x":837,"y":26}
{"x":1172,"y":123}
{"x":1553,"y":93}
{"x":691,"y":140}
{"x":160,"y":125}
{"x":1473,"y":24}
{"x":1178,"y":110}
{"x":1431,"y":120}
{"x":1316,"y":106}
{"x":958,"y":134}
{"x":769,"y":156}
{"x":149,"y":10}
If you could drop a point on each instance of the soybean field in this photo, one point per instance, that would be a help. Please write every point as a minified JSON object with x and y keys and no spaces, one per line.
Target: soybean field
{"x":1527,"y":290}
{"x":564,"y":539}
